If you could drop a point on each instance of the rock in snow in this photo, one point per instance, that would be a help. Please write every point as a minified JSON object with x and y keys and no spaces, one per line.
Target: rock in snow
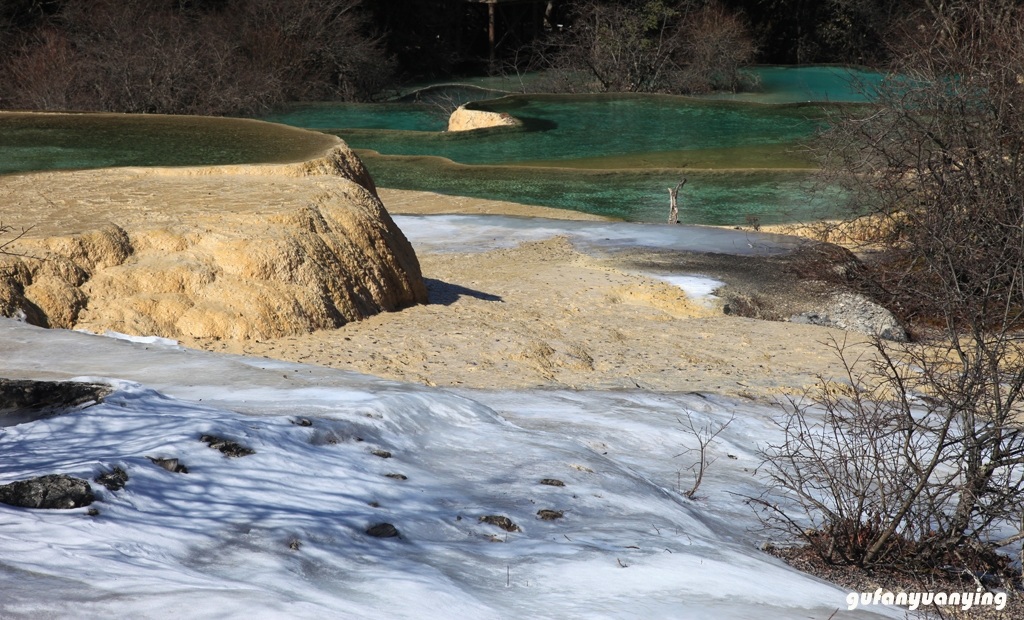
{"x":52,"y":491}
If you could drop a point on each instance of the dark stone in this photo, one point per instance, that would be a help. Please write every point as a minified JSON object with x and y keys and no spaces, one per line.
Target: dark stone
{"x":384,"y":454}
{"x":171,"y":465}
{"x":549,"y":515}
{"x":552,"y":482}
{"x":113,"y":480}
{"x":501,"y":521}
{"x":302,"y":422}
{"x":226,"y":446}
{"x":52,"y":491}
{"x":23,"y":400}
{"x":382,"y":530}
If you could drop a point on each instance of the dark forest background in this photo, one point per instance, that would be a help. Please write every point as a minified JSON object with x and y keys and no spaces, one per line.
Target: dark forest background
{"x":246,"y":56}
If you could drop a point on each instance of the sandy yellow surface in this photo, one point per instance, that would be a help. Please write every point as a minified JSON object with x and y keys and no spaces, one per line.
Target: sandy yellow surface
{"x":544,"y":315}
{"x":538,"y":315}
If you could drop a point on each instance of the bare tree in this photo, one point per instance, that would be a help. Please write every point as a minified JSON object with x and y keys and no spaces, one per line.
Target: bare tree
{"x":237,"y":56}
{"x":678,"y":46}
{"x":673,"y":202}
{"x":705,"y":434}
{"x":919,"y":457}
{"x":8,"y":236}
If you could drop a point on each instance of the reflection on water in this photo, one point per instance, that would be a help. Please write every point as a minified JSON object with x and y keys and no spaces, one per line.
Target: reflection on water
{"x":393,"y":116}
{"x":67,"y":141}
{"x":806,"y":84}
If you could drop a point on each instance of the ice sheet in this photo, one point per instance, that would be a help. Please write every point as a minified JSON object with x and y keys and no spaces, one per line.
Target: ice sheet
{"x":480,"y":233}
{"x":218,"y":542}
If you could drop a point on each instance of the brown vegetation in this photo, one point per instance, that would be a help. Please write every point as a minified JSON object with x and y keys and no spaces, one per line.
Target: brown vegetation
{"x":648,"y":46}
{"x":918,"y":461}
{"x":225,"y":57}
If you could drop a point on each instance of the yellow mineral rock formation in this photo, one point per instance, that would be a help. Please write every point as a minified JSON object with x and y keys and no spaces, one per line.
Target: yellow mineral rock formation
{"x":464,"y":119}
{"x":231,"y":252}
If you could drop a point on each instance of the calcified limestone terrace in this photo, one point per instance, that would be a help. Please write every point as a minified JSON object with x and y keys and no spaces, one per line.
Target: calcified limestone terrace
{"x":463,"y":119}
{"x":230,"y":252}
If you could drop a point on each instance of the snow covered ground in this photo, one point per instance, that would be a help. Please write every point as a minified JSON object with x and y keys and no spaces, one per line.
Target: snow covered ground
{"x":481,"y":233}
{"x":282,"y":533}
{"x":476,"y":233}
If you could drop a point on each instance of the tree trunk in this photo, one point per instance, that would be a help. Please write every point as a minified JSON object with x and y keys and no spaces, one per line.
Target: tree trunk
{"x":673,"y":200}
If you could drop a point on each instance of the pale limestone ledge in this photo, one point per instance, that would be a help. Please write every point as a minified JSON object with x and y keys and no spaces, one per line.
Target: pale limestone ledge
{"x":220,"y":253}
{"x":463,"y":119}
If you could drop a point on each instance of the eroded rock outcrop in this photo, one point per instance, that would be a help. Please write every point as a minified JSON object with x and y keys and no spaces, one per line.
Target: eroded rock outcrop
{"x":232,"y":252}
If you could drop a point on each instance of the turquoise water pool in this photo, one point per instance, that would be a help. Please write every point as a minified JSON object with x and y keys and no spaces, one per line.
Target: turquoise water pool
{"x":744,"y":155}
{"x":822,"y":84}
{"x":709,"y":197}
{"x":611,"y":155}
{"x":608,"y":155}
{"x":68,"y":141}
{"x":561,"y":129}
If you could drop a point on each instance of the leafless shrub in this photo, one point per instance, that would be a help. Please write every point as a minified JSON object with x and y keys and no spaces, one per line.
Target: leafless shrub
{"x":705,"y":434}
{"x":647,"y":46}
{"x":239,"y":56}
{"x":916,"y":458}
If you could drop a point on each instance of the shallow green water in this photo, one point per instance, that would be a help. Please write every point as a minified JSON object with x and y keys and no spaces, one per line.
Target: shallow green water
{"x":560,"y":129}
{"x":68,"y":141}
{"x":808,"y":84}
{"x":642,"y":145}
{"x":393,"y":116}
{"x":744,"y":154}
{"x":614,"y":155}
{"x":709,"y":197}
